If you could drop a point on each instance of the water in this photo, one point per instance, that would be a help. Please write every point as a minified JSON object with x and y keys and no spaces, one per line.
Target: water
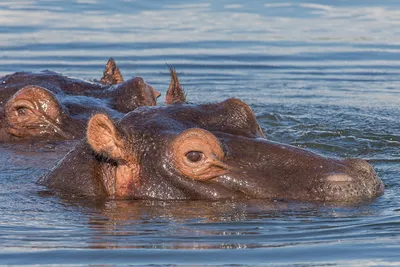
{"x":319,"y":74}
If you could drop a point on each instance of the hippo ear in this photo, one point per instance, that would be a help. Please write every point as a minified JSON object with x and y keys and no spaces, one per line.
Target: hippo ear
{"x":111,"y":74}
{"x":241,"y":117}
{"x":104,"y":138}
{"x":175,"y":93}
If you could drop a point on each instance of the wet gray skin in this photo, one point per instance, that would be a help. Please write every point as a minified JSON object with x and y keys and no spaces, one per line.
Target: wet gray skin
{"x":49,"y":106}
{"x":214,"y":151}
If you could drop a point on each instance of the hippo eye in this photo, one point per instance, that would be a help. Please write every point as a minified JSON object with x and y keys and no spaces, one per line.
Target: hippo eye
{"x":194,"y":156}
{"x":198,"y":154}
{"x":21,"y":111}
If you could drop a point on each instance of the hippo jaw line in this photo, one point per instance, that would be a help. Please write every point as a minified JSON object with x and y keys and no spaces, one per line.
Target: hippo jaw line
{"x":339,"y":189}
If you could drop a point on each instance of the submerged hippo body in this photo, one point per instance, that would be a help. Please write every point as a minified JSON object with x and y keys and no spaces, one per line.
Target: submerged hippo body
{"x":47,"y":105}
{"x":211,"y":151}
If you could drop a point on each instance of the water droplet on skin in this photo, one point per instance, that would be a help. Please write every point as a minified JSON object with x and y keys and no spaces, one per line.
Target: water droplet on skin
{"x":44,"y":106}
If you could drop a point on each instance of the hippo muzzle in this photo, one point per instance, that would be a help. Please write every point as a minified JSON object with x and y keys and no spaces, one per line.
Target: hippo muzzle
{"x":265,"y":169}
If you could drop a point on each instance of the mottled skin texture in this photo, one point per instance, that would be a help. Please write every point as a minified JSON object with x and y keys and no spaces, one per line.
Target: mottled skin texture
{"x":47,"y":105}
{"x":212,"y":151}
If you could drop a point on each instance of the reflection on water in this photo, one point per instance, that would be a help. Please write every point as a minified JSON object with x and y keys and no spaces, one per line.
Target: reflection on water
{"x":320,"y":75}
{"x":172,"y":225}
{"x":159,"y":21}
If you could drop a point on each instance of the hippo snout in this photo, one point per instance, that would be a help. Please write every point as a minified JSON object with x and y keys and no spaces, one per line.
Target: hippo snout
{"x":359,"y":181}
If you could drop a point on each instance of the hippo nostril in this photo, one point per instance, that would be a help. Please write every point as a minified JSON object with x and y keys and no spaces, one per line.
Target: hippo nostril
{"x":339,"y":177}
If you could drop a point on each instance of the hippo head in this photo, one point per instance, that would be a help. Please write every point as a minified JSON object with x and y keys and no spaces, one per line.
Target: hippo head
{"x":34,"y":112}
{"x":210,"y":151}
{"x":50,"y":106}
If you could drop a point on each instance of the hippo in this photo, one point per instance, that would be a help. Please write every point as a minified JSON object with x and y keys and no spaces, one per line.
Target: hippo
{"x":49,"y":106}
{"x":213,"y":151}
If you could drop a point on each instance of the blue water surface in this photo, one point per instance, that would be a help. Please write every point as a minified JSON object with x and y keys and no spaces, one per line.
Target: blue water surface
{"x":322,"y":75}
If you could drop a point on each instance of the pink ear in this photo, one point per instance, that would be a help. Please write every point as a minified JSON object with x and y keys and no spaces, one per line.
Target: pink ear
{"x":104,"y":138}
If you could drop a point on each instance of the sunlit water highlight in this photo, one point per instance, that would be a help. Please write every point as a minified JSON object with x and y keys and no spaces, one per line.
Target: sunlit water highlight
{"x":320,"y":75}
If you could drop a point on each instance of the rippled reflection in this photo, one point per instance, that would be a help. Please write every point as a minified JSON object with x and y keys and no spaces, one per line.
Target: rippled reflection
{"x":98,"y":21}
{"x":213,"y":225}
